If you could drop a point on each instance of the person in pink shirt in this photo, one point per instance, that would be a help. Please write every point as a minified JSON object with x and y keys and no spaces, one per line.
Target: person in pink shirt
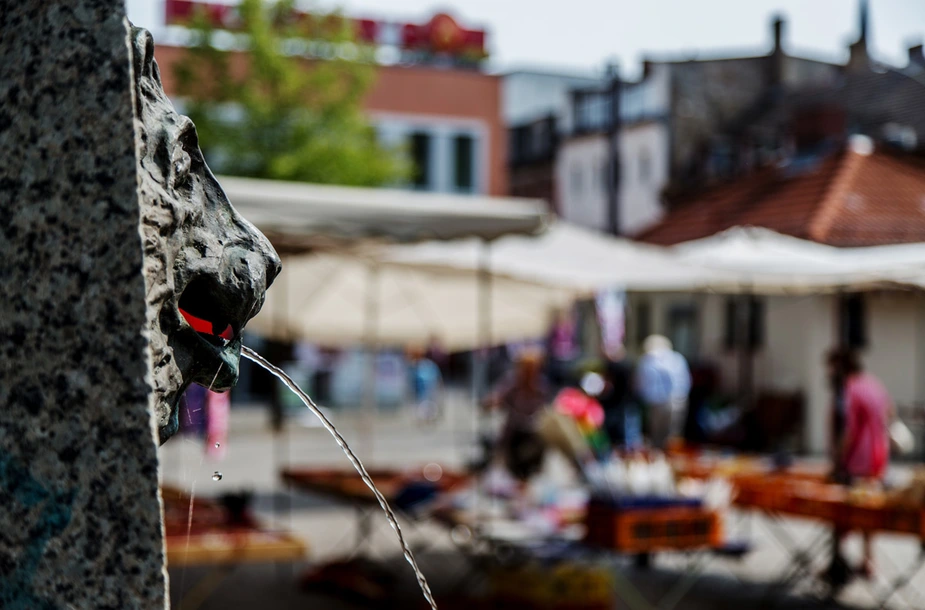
{"x":863,"y":445}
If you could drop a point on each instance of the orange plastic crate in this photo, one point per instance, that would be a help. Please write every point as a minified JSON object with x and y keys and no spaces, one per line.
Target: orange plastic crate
{"x":645,"y":530}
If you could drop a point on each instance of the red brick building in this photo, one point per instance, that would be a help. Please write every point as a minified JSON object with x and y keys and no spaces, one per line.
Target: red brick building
{"x":438,"y":102}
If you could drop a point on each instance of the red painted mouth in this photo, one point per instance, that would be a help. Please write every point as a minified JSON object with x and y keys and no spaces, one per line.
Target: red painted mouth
{"x":207,"y":327}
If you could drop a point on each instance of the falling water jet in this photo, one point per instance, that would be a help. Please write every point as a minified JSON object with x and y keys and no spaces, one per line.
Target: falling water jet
{"x":306,"y":399}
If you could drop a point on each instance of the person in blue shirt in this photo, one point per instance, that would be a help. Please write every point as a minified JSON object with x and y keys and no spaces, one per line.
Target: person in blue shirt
{"x":426,"y":385}
{"x":663,"y":383}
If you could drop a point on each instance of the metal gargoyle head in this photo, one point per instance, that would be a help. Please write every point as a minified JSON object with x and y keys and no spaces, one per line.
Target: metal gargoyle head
{"x":206,"y":268}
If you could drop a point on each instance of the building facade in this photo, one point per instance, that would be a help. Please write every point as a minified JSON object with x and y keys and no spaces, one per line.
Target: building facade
{"x":863,"y":195}
{"x":536,"y":107}
{"x":430,"y":96}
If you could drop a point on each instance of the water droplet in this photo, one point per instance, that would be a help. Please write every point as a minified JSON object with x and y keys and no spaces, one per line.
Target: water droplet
{"x":433,"y":472}
{"x":217,"y":445}
{"x":216,"y":476}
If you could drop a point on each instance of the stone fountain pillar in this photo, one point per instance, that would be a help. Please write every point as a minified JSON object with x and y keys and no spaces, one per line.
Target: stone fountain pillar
{"x":80,"y":516}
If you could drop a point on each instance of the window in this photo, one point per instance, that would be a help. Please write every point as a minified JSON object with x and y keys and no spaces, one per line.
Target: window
{"x":420,"y":157}
{"x":463,"y":151}
{"x":853,"y":321}
{"x":682,"y":330}
{"x":540,"y":139}
{"x":514,"y":146}
{"x":593,"y":110}
{"x":755,"y":323}
{"x":642,"y":322}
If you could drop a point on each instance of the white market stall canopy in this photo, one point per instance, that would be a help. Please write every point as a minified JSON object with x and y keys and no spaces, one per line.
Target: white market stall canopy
{"x":407,"y":294}
{"x":298,"y":217}
{"x":752,"y":259}
{"x":339,"y":300}
{"x":566,"y":256}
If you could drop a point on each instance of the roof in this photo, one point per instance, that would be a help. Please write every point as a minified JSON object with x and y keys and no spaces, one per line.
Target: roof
{"x":870,"y":99}
{"x":873,"y":98}
{"x":852,"y":197}
{"x":299,"y":216}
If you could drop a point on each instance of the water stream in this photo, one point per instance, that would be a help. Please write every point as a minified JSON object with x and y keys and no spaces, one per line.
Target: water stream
{"x":409,"y":556}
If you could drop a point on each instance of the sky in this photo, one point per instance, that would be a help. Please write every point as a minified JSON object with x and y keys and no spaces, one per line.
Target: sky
{"x":583,"y":35}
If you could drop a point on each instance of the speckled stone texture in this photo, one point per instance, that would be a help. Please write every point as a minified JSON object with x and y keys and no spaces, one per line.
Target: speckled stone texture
{"x":79,"y":506}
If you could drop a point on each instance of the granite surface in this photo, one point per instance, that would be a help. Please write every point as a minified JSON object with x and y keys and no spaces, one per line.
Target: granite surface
{"x":79,"y":505}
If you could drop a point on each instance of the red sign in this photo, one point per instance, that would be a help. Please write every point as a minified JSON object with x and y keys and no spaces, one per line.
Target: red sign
{"x":442,"y":34}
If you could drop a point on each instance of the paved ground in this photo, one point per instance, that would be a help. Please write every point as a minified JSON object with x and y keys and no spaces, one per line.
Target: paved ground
{"x":254,"y":457}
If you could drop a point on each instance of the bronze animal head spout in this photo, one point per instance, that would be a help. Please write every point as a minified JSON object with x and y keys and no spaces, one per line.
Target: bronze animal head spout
{"x":206,"y":268}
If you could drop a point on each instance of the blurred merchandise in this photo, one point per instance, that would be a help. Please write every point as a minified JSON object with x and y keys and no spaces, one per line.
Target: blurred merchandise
{"x":565,"y":585}
{"x":902,"y":440}
{"x":586,"y":413}
{"x":643,"y":528}
{"x":912,"y":494}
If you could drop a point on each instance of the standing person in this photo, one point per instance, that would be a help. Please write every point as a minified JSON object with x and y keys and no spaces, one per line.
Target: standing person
{"x":863,"y":448}
{"x":663,"y":382}
{"x":522,"y":394}
{"x":426,"y":385}
{"x":561,"y":348}
{"x":436,"y":354}
{"x":616,"y":396}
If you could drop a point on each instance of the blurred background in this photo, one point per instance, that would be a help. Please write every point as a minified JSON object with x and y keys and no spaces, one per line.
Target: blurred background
{"x":558,"y":272}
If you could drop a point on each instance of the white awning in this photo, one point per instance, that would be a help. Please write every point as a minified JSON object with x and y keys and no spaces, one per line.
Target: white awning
{"x":298,"y":216}
{"x":569,"y":257}
{"x":336,"y":299}
{"x":762,"y":261}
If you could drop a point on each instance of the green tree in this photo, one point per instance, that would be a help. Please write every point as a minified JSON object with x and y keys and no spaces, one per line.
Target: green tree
{"x":263,"y":110}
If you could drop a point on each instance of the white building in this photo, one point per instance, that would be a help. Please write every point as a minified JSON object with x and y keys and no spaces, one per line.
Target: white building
{"x":528,"y":95}
{"x":644,"y":138}
{"x":796,"y":333}
{"x":856,"y":195}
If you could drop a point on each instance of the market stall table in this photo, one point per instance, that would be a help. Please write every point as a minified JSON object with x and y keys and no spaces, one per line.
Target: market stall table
{"x":601,"y":531}
{"x":403,"y":490}
{"x":487,"y":535}
{"x":804,"y":491}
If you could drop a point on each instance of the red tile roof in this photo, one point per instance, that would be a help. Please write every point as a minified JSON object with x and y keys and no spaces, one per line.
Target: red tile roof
{"x":848,"y":198}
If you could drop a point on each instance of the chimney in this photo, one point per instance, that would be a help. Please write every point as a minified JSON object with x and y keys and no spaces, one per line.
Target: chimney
{"x":859,"y":59}
{"x":916,"y":56}
{"x":777,"y":26}
{"x":777,"y":54}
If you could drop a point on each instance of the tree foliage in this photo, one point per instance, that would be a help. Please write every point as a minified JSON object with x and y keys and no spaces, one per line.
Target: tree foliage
{"x":264,"y":110}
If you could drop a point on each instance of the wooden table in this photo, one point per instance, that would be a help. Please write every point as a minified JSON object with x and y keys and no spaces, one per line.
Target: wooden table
{"x":806,"y":492}
{"x":346,"y":487}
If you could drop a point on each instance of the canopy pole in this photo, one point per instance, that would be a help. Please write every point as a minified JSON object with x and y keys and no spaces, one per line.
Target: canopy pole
{"x":746,"y":353}
{"x":371,"y":344}
{"x":484,"y":339}
{"x":480,"y":362}
{"x":842,"y":343}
